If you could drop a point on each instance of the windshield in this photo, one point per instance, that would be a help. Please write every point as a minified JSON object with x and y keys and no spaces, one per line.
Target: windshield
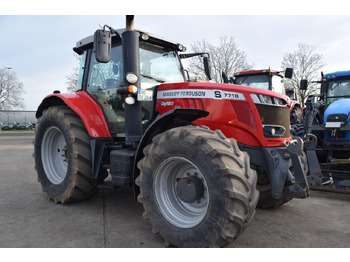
{"x":158,"y":65}
{"x":260,"y":81}
{"x":338,"y":89}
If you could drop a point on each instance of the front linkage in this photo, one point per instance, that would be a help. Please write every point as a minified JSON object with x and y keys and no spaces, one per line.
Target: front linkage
{"x":286,"y":169}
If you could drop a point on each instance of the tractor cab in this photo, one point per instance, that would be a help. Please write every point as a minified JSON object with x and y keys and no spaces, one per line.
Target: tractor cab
{"x":338,"y":86}
{"x":272,"y":80}
{"x":159,"y":63}
{"x":266,"y":78}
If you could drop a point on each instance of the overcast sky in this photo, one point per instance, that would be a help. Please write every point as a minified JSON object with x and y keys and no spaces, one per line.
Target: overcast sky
{"x":38,"y":48}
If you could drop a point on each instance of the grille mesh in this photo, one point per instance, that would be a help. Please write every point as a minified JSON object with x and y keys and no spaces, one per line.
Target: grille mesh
{"x":275,"y":115}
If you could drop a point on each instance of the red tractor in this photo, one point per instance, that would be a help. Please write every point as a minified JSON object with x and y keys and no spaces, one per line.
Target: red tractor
{"x":196,"y":154}
{"x":272,"y":80}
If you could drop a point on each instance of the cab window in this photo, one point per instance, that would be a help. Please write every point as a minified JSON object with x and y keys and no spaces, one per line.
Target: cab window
{"x":102,"y":84}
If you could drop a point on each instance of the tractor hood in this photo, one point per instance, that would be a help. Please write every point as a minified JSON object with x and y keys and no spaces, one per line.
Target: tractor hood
{"x":337,"y":109}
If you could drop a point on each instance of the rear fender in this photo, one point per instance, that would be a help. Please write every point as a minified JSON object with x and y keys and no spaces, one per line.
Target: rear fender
{"x":86,"y":108}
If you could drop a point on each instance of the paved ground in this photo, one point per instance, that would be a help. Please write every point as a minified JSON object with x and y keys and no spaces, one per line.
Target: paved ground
{"x":112,"y":218}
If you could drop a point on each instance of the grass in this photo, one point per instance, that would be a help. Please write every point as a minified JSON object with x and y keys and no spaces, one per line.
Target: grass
{"x":15,"y":131}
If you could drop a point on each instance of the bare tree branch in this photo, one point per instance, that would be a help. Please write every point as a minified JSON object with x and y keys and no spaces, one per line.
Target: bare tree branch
{"x":11,"y":91}
{"x":307,"y":65}
{"x":72,"y":79}
{"x":226,"y":57}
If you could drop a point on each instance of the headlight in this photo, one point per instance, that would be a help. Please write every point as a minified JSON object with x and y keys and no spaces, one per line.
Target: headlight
{"x":268,"y":100}
{"x":273,"y":130}
{"x":145,"y":37}
{"x":130,"y":100}
{"x":131,"y":78}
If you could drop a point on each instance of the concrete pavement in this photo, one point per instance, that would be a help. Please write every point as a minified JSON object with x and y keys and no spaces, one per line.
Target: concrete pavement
{"x":112,"y":218}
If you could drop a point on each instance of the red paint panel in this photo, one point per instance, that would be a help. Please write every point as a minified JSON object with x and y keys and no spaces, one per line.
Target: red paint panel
{"x":88,"y":110}
{"x":236,"y":118}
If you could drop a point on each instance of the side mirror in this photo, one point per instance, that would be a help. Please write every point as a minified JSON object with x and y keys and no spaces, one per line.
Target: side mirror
{"x":207,"y":67}
{"x":102,"y":45}
{"x":224,"y":77}
{"x":303,"y":84}
{"x":288,"y":73}
{"x":324,"y":85}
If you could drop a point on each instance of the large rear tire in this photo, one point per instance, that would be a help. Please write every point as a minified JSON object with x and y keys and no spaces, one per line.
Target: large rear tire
{"x":196,"y":187}
{"x":63,"y":156}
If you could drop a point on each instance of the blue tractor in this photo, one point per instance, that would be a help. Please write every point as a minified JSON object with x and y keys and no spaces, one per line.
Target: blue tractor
{"x":328,"y":118}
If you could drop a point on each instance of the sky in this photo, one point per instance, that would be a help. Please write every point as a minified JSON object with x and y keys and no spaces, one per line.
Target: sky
{"x":37,"y":44}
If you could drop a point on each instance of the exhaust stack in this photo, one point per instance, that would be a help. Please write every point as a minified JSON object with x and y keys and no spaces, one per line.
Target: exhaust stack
{"x":131,"y":64}
{"x":130,"y":22}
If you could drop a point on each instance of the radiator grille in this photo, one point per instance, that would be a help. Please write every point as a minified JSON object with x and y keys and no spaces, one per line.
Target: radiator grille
{"x":276,"y":116}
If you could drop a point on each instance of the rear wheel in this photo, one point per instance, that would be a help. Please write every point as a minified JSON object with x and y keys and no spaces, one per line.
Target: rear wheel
{"x":197,"y":187}
{"x":63,"y":156}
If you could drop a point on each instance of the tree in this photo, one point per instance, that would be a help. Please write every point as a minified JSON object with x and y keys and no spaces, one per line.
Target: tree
{"x":307,"y":65}
{"x":225,"y":57}
{"x":11,"y":90}
{"x":72,"y":78}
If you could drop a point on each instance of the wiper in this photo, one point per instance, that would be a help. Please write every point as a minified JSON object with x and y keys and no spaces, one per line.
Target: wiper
{"x":160,"y":80}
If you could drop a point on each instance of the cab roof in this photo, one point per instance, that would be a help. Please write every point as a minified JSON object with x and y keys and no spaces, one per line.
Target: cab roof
{"x":337,"y":74}
{"x":87,"y":42}
{"x":251,"y":72}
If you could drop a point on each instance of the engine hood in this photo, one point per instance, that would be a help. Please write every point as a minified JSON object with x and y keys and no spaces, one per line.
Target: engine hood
{"x":341,"y":106}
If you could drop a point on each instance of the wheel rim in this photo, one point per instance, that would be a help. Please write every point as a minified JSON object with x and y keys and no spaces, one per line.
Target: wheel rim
{"x":54,"y":155}
{"x":178,"y":212}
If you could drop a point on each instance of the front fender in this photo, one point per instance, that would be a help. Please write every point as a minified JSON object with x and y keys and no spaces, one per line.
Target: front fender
{"x":84,"y":106}
{"x":293,"y":104}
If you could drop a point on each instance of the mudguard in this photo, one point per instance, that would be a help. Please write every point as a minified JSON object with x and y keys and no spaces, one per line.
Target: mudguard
{"x":87,"y":109}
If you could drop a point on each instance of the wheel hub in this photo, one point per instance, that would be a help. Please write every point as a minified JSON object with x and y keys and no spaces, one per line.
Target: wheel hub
{"x":54,"y":155}
{"x":181,"y":192}
{"x":190,"y":189}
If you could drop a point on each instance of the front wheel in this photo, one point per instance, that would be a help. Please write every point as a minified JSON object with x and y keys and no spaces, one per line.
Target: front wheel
{"x":63,"y":156}
{"x":197,"y":187}
{"x":296,"y":116}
